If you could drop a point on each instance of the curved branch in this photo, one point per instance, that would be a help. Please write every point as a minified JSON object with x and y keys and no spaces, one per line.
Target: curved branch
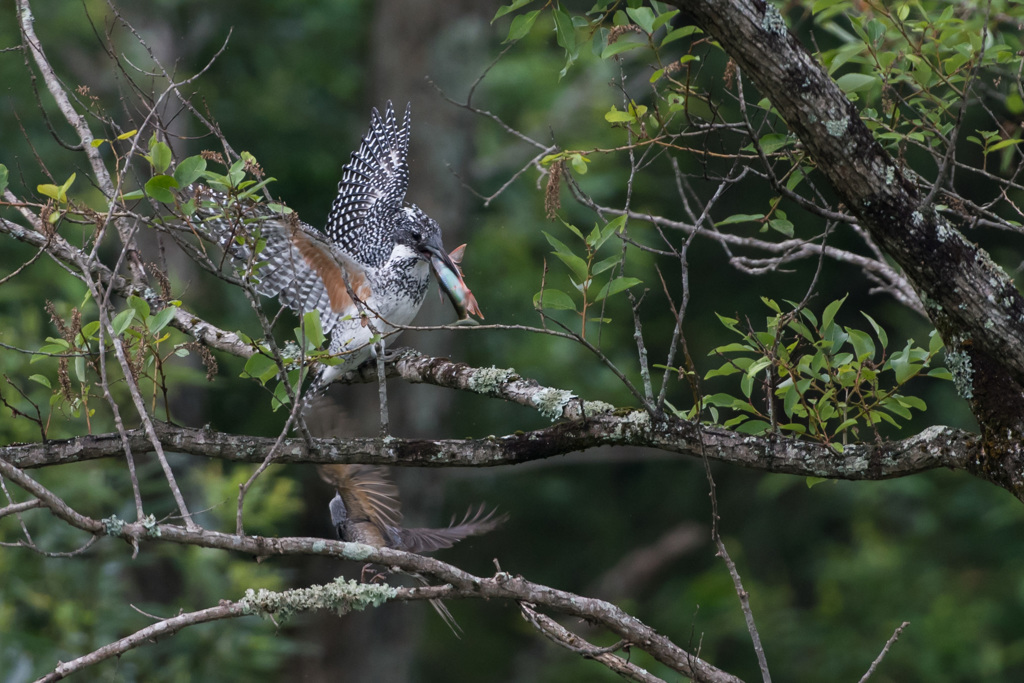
{"x":933,"y":448}
{"x":462,"y":584}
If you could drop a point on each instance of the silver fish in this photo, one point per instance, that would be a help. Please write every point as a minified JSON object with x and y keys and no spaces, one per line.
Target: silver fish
{"x":454,"y":286}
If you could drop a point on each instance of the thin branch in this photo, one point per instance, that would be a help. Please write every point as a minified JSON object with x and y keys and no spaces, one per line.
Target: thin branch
{"x":563,"y":637}
{"x":167,"y":627}
{"x":885,"y":650}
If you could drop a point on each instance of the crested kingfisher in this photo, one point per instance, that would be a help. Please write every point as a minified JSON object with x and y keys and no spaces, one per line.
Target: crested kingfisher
{"x":367,"y":273}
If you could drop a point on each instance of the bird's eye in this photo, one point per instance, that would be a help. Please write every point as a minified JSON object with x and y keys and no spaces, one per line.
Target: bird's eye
{"x":416,"y":235}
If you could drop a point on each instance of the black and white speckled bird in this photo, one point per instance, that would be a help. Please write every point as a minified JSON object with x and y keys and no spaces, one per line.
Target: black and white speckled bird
{"x":368,"y":274}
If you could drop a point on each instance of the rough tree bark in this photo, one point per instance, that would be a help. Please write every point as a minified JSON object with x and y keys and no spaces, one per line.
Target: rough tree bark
{"x":971,"y":301}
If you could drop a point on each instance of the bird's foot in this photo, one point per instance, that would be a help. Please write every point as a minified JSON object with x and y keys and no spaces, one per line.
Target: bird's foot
{"x":375,"y":576}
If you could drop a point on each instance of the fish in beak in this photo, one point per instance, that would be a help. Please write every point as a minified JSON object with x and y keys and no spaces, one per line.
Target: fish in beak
{"x":449,"y":276}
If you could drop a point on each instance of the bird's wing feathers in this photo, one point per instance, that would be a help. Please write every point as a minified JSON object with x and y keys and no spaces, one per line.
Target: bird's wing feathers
{"x":426,"y":540}
{"x":296,"y":263}
{"x":367,"y":492}
{"x":372,"y":190}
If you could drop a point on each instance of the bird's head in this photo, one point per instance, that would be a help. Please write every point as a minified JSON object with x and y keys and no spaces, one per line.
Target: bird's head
{"x":422,"y":234}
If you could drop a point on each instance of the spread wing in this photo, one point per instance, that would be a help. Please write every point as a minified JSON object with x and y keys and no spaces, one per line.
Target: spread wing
{"x":296,"y":263}
{"x":425,"y":540}
{"x":372,"y":190}
{"x":367,"y":491}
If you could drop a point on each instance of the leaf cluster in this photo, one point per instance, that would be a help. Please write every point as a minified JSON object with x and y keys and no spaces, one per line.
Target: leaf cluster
{"x":584,"y":267}
{"x":812,"y":377}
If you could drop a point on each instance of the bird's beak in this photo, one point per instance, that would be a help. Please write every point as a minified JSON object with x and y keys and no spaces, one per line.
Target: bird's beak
{"x":449,"y":276}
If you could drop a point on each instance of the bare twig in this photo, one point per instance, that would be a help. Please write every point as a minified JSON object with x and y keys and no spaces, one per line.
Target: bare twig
{"x":885,"y":650}
{"x":561,"y":636}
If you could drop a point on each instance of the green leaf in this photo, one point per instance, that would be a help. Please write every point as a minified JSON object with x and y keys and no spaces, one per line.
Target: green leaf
{"x":724,"y":370}
{"x":830,"y":313}
{"x":129,"y":134}
{"x":122,"y":320}
{"x":773,"y":142}
{"x":781,"y":225}
{"x":159,"y":188}
{"x":576,"y":264}
{"x":615,"y":286}
{"x":754,"y":427}
{"x":132,"y":196}
{"x":615,"y":116}
{"x":502,"y":11}
{"x":189,"y":170}
{"x":80,"y":369}
{"x":854,"y":82}
{"x":902,"y":365}
{"x":863,"y":346}
{"x":565,"y":32}
{"x":159,"y":156}
{"x":790,"y":401}
{"x":579,"y":163}
{"x":160,"y":320}
{"x":741,"y":218}
{"x":730,"y":323}
{"x":313,"y":329}
{"x":90,"y":329}
{"x":553,"y":299}
{"x":576,"y":231}
{"x":642,"y":17}
{"x":664,"y":18}
{"x":678,"y":33}
{"x":612,"y":227}
{"x":3,"y":178}
{"x":521,"y":25}
{"x":140,"y":306}
{"x":1003,"y":143}
{"x":237,"y":171}
{"x":280,"y":396}
{"x":605,"y":264}
{"x":620,"y":46}
{"x":52,"y":191}
{"x":814,"y":481}
{"x":260,"y":367}
{"x":879,"y":330}
{"x":41,"y":379}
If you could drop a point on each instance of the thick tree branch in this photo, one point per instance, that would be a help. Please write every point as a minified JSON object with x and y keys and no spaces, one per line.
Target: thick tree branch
{"x":933,"y":448}
{"x":972,"y":302}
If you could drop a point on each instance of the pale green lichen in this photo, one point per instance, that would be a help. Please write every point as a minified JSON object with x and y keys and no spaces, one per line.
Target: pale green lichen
{"x":488,"y":380}
{"x":772,"y":22}
{"x":633,"y":424}
{"x":319,"y":546}
{"x":341,"y":596}
{"x":551,"y":402}
{"x":959,"y":364}
{"x":591,"y":408}
{"x":358,"y":552}
{"x":113,"y":525}
{"x":838,"y":127}
{"x":151,"y":526}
